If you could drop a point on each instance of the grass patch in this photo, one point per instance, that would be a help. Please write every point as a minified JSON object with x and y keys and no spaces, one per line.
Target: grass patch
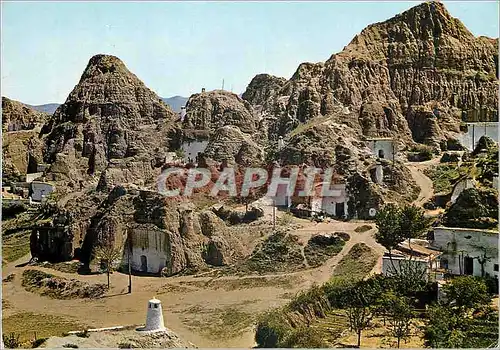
{"x":357,"y":263}
{"x":285,"y":282}
{"x":26,"y":324}
{"x":443,"y":177}
{"x":15,"y":246}
{"x":219,"y":323}
{"x":363,"y":228}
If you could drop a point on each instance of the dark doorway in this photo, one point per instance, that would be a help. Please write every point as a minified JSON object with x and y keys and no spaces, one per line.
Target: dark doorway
{"x":381,"y":153}
{"x":468,"y":265}
{"x":339,"y":210}
{"x":144,"y":263}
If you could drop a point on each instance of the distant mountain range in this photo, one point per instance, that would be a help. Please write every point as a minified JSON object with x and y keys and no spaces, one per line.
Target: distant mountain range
{"x":175,"y":102}
{"x":46,"y":108}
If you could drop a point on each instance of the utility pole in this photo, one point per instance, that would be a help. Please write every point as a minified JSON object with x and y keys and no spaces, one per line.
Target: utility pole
{"x":129,"y":237}
{"x":274,"y":214}
{"x":473,"y":137}
{"x":222,"y":84}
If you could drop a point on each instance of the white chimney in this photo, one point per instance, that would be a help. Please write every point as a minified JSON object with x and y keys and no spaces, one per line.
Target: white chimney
{"x":154,"y":318}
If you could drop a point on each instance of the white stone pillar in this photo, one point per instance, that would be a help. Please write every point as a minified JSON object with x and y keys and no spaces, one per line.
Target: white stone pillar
{"x":154,"y":318}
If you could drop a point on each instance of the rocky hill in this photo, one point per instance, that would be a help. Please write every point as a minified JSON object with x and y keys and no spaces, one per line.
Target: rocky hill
{"x":18,"y":116}
{"x":414,"y":76}
{"x":109,"y":117}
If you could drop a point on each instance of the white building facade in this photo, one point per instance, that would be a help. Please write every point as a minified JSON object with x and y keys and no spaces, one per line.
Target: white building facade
{"x":40,"y":190}
{"x":467,"y":251}
{"x":149,"y":250}
{"x":334,"y":204}
{"x":383,"y":147}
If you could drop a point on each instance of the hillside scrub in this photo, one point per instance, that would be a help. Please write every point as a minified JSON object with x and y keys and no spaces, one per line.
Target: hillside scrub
{"x":474,"y":208}
{"x":58,"y":287}
{"x":443,"y":177}
{"x":357,"y":263}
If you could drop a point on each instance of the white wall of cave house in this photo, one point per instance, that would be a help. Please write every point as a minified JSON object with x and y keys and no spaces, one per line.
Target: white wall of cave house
{"x":390,"y":266}
{"x":191,"y":150}
{"x":383,"y":148}
{"x":327,"y":204}
{"x":461,"y":248}
{"x":149,"y":251}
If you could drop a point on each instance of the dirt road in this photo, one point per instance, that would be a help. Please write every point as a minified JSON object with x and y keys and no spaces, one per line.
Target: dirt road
{"x":425,"y":184}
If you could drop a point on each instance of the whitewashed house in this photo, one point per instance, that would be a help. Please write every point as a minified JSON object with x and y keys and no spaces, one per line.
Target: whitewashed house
{"x":40,"y":190}
{"x":149,"y":250}
{"x":334,"y":204}
{"x":417,"y":256}
{"x":382,"y":147}
{"x":467,"y":251}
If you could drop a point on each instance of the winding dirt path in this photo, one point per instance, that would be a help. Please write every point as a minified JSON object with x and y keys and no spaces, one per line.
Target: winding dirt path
{"x":424,"y":182}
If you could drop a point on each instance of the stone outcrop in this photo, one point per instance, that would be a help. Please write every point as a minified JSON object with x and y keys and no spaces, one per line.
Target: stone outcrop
{"x":212,"y":110}
{"x":229,"y":144}
{"x":110,"y":118}
{"x":412,"y":77}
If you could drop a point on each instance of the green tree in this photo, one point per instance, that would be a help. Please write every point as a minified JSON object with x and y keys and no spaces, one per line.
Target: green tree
{"x":389,"y":233}
{"x":413,"y":223}
{"x":395,"y":225}
{"x":400,"y":314}
{"x":108,"y":256}
{"x":438,"y":328}
{"x":467,"y":292}
{"x":359,"y":311}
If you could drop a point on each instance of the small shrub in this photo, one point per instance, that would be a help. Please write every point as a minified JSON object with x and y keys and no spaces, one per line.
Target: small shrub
{"x":285,"y":220}
{"x":37,"y":342}
{"x":363,"y":228}
{"x":272,"y":329}
{"x":11,"y":341}
{"x":125,"y":345}
{"x":83,"y":334}
{"x":420,"y":153}
{"x":70,"y":345}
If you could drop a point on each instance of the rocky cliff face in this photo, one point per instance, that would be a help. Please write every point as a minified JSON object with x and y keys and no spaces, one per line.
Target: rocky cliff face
{"x":214,"y":109}
{"x":109,"y":116}
{"x":21,"y":145}
{"x":192,"y":239}
{"x":229,"y":144}
{"x":422,"y":59}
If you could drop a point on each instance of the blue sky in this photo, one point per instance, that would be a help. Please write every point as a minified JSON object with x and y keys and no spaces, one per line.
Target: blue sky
{"x":177,"y":48}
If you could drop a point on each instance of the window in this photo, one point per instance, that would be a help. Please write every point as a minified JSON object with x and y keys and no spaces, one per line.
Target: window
{"x":156,"y":306}
{"x":495,"y":267}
